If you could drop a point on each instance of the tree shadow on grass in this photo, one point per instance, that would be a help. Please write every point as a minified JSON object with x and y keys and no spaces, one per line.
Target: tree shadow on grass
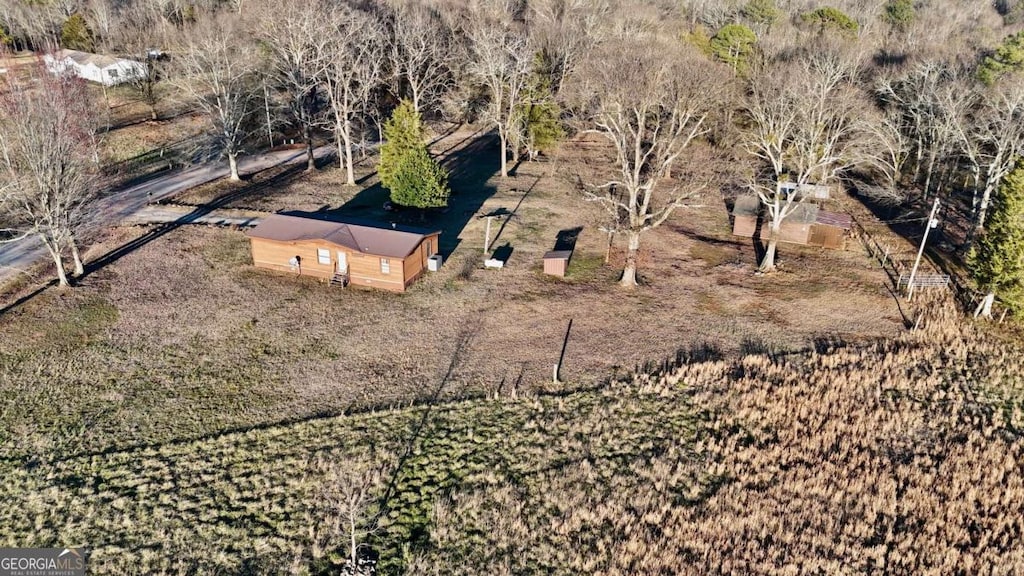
{"x":566,"y":239}
{"x":471,"y":162}
{"x":23,"y":299}
{"x":158,"y":231}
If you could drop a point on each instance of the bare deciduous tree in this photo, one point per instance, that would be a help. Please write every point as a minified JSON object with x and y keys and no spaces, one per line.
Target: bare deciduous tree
{"x":565,"y":30}
{"x":217,"y":72}
{"x":886,"y":158}
{"x":421,"y":55}
{"x":138,"y":35}
{"x":997,"y":130}
{"x":48,"y":161}
{"x":346,"y":513}
{"x":355,"y":54}
{"x":501,"y":62}
{"x":650,"y":100}
{"x":299,"y":58}
{"x":802,"y":126}
{"x":931,"y":98}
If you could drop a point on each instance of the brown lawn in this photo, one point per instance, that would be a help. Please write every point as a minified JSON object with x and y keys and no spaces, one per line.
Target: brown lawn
{"x":183,"y":337}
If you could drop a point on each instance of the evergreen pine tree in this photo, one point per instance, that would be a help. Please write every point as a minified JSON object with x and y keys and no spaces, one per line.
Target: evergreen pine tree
{"x":406,"y":168}
{"x":899,"y":14}
{"x":419,"y":181}
{"x":539,"y":113}
{"x":75,"y":34}
{"x":1008,"y":57}
{"x":761,"y":13}
{"x":830,"y":19}
{"x":997,"y":260}
{"x":734,"y":44}
{"x":402,"y":133}
{"x":5,"y":37}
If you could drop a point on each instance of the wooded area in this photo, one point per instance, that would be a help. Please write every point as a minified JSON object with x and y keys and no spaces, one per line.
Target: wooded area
{"x":900,"y":101}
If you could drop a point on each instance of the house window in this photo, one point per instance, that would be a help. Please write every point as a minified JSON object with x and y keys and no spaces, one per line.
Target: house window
{"x":323,"y":256}
{"x":385,"y":266}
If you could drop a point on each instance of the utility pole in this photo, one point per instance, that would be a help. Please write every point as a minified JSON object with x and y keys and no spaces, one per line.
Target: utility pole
{"x":556,"y":377}
{"x":932,"y":223}
{"x":266,"y":103}
{"x":487,"y":234}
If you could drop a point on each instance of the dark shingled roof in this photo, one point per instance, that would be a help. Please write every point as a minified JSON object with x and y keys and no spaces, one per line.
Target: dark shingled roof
{"x":558,"y":254}
{"x":362,"y":236}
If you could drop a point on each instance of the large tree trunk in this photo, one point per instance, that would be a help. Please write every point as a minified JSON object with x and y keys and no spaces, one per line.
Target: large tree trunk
{"x":768,"y":262}
{"x":350,"y":175}
{"x":79,"y":265}
{"x":919,"y":155}
{"x":310,"y":157}
{"x":339,"y":144}
{"x":233,"y":165}
{"x":986,"y":198}
{"x":353,"y":544}
{"x":928,"y":174}
{"x":504,"y":160}
{"x":54,"y":249}
{"x":632,"y":250}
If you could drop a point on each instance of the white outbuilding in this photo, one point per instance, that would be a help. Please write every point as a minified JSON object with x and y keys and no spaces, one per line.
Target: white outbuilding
{"x":99,"y":68}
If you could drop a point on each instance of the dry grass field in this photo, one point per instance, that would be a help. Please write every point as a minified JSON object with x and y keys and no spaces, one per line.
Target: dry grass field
{"x":183,"y":412}
{"x":182,"y":337}
{"x":902,"y":456}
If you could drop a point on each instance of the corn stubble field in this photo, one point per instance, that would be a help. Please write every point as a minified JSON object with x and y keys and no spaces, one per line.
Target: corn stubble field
{"x":900,"y":456}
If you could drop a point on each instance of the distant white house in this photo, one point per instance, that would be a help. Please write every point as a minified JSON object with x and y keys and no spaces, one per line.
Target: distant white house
{"x":99,"y":68}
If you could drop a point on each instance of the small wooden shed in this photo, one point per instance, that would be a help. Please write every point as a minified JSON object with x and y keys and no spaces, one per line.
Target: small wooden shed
{"x":345,"y":251}
{"x":830,"y":230}
{"x":807,"y":224}
{"x":556,"y":262}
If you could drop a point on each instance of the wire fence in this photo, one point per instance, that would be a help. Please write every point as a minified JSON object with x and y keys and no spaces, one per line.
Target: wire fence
{"x":897,"y":264}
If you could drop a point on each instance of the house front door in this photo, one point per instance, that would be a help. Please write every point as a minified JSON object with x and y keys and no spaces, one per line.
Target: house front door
{"x":342,"y":262}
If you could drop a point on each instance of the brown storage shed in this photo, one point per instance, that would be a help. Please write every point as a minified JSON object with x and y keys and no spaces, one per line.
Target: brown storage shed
{"x":830,"y":230}
{"x":745,"y":213}
{"x":363,"y":253}
{"x":806,"y":224}
{"x":556,"y":262}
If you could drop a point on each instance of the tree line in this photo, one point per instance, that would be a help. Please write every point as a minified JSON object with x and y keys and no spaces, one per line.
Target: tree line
{"x":896,"y":100}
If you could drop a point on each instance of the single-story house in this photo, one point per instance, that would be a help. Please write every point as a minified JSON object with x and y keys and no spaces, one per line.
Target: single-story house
{"x":99,"y":68}
{"x":807,"y":224}
{"x":363,"y":253}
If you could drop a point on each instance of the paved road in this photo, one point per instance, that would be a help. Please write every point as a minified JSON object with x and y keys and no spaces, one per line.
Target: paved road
{"x":187,"y":215}
{"x":18,"y":256}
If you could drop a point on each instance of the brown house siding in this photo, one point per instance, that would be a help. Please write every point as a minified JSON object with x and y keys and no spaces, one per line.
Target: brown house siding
{"x":795,"y":232}
{"x":416,"y":263}
{"x":276,"y":255}
{"x":744,"y":226}
{"x":363,"y":269}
